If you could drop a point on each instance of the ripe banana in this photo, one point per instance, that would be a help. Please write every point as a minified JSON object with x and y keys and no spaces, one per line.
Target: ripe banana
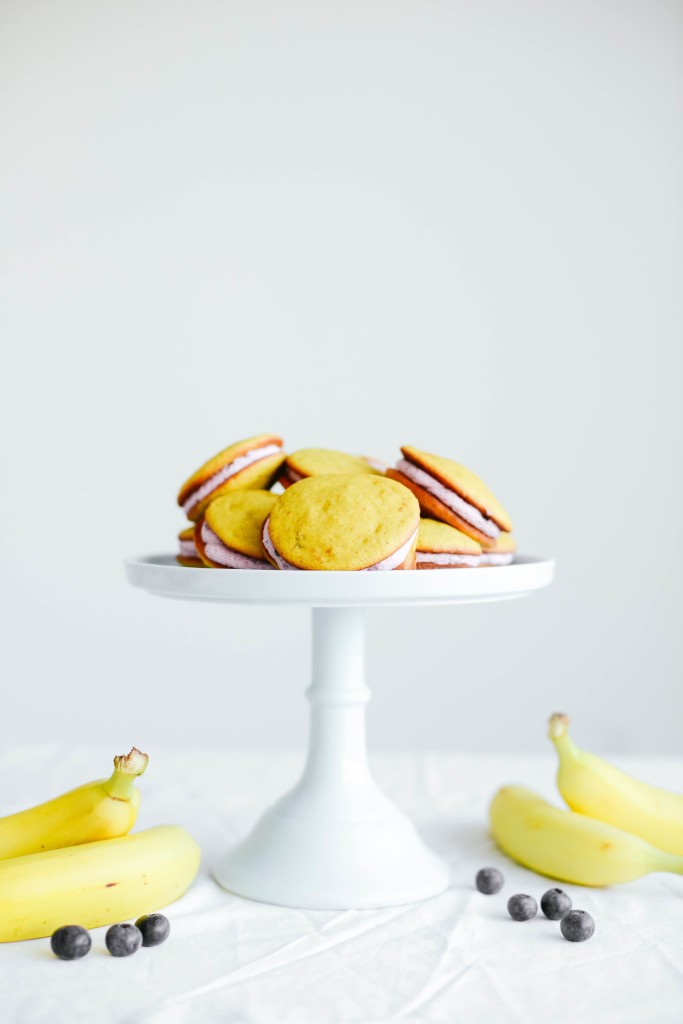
{"x":569,"y":846}
{"x":95,"y":883}
{"x":97,"y":810}
{"x":597,"y":788}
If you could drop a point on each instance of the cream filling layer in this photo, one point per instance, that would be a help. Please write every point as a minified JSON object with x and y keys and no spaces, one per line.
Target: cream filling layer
{"x":227,"y":471}
{"x":217,"y":551}
{"x":386,"y":565}
{"x":187,"y":549}
{"x":496,"y":557}
{"x":280,"y":562}
{"x":397,"y":558}
{"x":457,"y":504}
{"x":447,"y":558}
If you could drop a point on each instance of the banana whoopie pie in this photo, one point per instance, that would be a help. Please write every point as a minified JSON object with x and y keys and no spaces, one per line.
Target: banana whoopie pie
{"x":228,"y":536}
{"x":249,"y":464}
{"x":440,"y":546}
{"x":358,"y":522}
{"x":453,"y":494}
{"x":187,"y":554}
{"x":318,"y":462}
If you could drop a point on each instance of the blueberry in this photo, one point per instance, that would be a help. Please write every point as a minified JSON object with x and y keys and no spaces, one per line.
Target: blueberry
{"x":155,"y":929}
{"x":70,"y":942}
{"x":577,"y":926}
{"x":123,"y":939}
{"x":489,"y":880}
{"x":521,"y":907}
{"x":555,"y":904}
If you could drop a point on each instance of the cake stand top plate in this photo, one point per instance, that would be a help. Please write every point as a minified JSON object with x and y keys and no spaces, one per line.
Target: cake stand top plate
{"x":161,"y":575}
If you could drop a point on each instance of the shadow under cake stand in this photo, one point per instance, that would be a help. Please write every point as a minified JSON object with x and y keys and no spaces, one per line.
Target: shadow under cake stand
{"x":335,"y":841}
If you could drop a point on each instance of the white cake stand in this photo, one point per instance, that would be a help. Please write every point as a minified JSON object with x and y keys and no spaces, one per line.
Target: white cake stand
{"x":335,"y":841}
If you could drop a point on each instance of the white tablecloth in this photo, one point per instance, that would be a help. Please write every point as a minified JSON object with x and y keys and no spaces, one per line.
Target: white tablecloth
{"x":457,"y":957}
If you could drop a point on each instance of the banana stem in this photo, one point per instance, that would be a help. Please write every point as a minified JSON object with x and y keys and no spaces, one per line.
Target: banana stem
{"x":127,"y":767}
{"x":558,"y":731}
{"x":558,"y":726}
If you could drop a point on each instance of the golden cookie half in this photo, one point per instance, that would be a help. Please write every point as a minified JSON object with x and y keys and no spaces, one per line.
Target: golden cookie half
{"x":251,"y":464}
{"x":187,"y":554}
{"x":321,"y":462}
{"x":229,"y":534}
{"x":452,"y":493}
{"x":440,"y":546}
{"x":502,"y":552}
{"x":343,"y":522}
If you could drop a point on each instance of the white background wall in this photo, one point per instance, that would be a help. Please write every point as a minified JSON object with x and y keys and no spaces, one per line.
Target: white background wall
{"x":452,"y":224}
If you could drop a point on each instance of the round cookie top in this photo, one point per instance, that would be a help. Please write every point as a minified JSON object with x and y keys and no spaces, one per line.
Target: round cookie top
{"x":237,"y":519}
{"x":342,"y":521}
{"x":461,"y":480}
{"x":258,"y":474}
{"x":187,"y":533}
{"x":435,"y":537}
{"x":318,"y":461}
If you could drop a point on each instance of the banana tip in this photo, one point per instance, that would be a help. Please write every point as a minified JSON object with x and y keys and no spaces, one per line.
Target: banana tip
{"x":133,"y":763}
{"x":558,"y":725}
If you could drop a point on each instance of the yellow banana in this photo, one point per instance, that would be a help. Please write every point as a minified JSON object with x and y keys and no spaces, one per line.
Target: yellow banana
{"x":570,"y":846}
{"x":96,"y":883}
{"x":97,"y":810}
{"x":597,"y":788}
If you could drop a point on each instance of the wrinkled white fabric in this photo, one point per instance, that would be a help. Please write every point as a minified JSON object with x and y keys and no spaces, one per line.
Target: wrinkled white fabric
{"x":455,"y":958}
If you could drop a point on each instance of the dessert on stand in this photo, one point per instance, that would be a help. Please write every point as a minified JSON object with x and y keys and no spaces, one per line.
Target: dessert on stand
{"x":346,"y":534}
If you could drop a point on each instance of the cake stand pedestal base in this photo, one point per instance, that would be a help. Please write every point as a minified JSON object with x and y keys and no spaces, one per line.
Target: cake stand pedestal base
{"x":335,"y":841}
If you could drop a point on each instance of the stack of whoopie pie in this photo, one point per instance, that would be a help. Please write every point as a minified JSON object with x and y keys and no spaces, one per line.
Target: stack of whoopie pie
{"x":338,"y":512}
